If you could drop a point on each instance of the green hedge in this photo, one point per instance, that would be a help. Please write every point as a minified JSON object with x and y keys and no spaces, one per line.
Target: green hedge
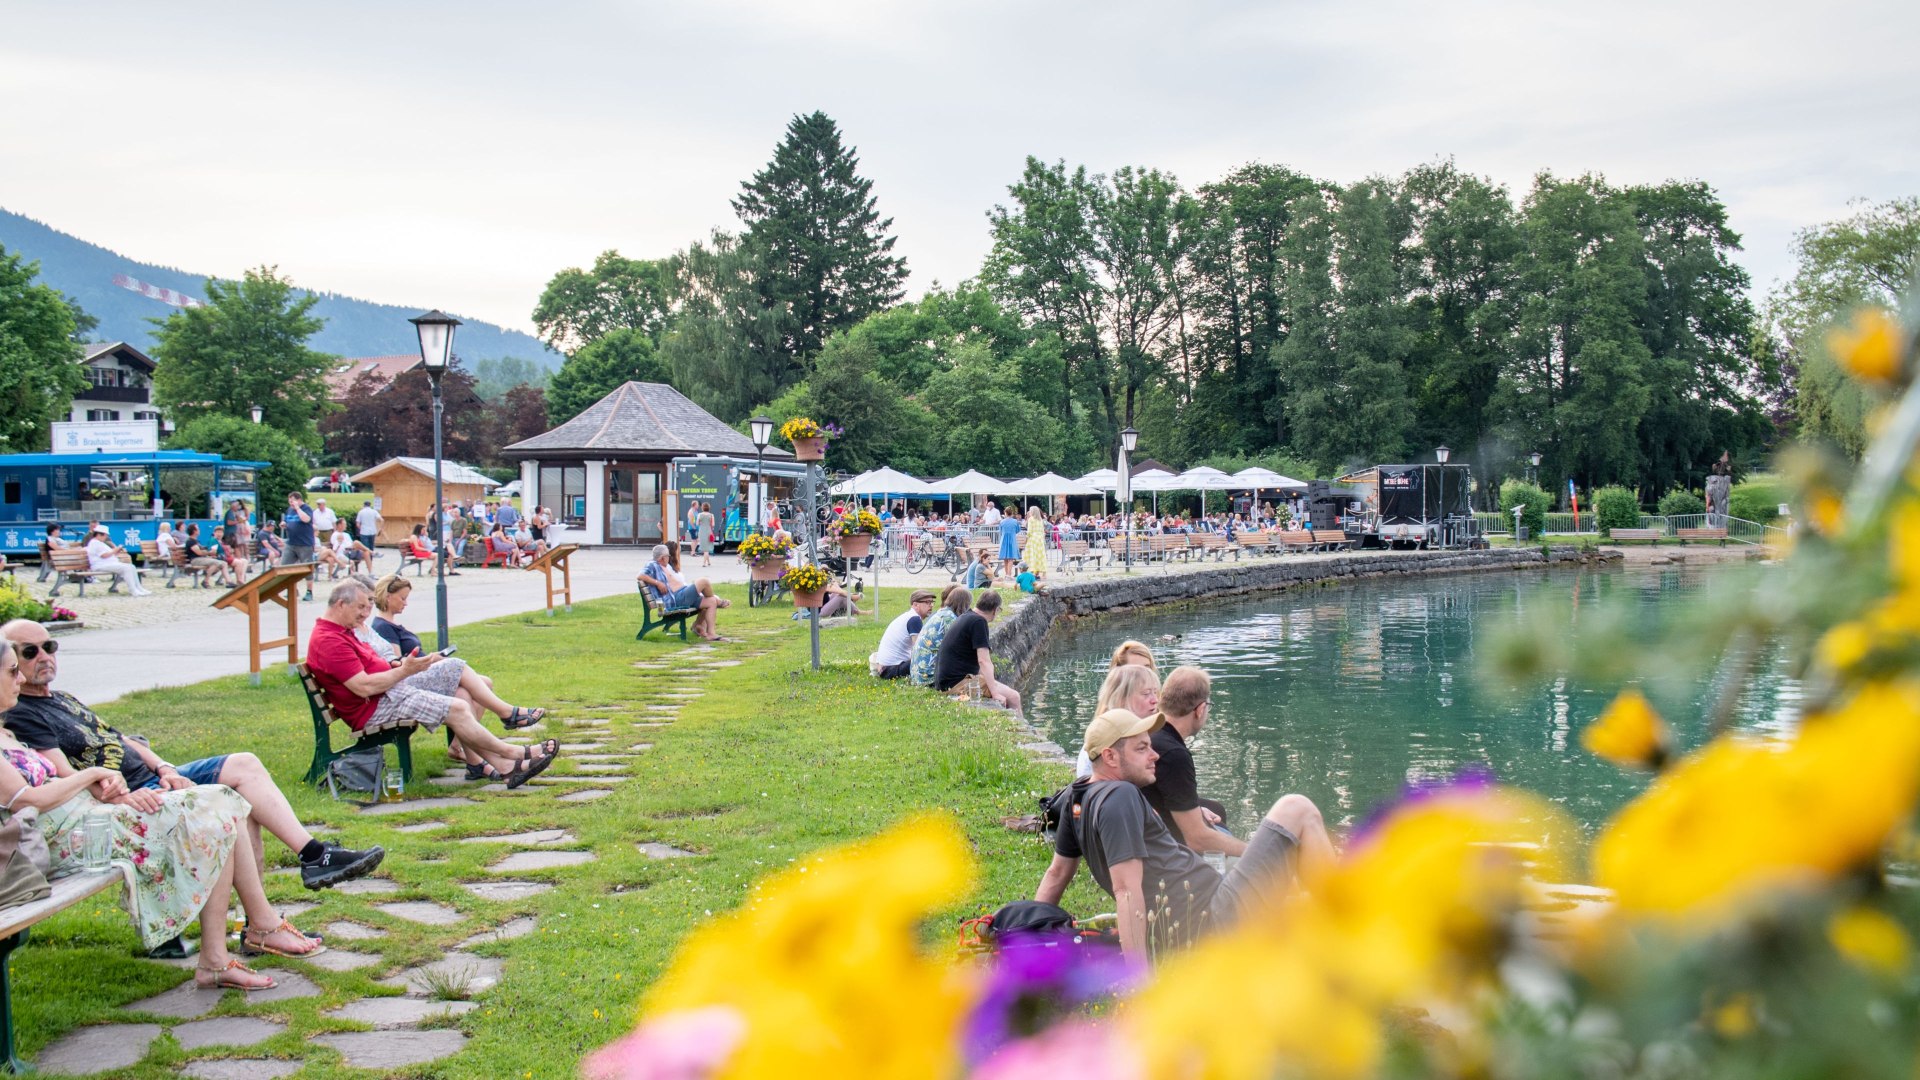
{"x":1679,"y":502}
{"x":1757,"y":500}
{"x":1616,"y":507}
{"x":1535,"y":499}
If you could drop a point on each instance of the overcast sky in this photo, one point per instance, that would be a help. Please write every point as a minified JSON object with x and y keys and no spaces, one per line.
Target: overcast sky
{"x":457,"y":154}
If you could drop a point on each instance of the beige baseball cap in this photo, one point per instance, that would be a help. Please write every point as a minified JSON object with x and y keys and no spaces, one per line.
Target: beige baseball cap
{"x":1116,"y":724}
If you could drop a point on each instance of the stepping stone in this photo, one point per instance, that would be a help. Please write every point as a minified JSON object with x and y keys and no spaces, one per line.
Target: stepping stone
{"x":644,"y":666}
{"x":226,"y":1031}
{"x":599,"y":767}
{"x":604,"y":708}
{"x":97,"y":1049}
{"x":663,"y":708}
{"x":242,"y":1069}
{"x":598,"y":757}
{"x":541,"y":860}
{"x":188,"y":1001}
{"x":585,"y":796}
{"x":506,"y":890}
{"x":342,"y":960}
{"x":410,"y":805}
{"x":450,"y":781}
{"x":392,"y":1049}
{"x":642,"y":746}
{"x":654,"y":850}
{"x":479,"y":974}
{"x":588,"y":722}
{"x":513,"y":928}
{"x":322,"y":830}
{"x":654,"y":723}
{"x":530,"y":839}
{"x":580,"y":778}
{"x":715,"y":664}
{"x":426,"y":912}
{"x":343,"y":930}
{"x":367,"y":886}
{"x":683,"y":695}
{"x":581,"y":747}
{"x":388,"y":1013}
{"x":421,"y":826}
{"x":295,"y":909}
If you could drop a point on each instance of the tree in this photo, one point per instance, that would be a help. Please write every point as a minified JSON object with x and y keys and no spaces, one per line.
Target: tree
{"x":580,"y":307}
{"x":724,"y":347}
{"x":494,"y":376}
{"x":822,"y":254}
{"x":380,"y":419}
{"x":978,"y":419}
{"x":243,"y":440}
{"x":881,"y":427}
{"x":520,"y":414}
{"x":39,"y":363}
{"x":246,"y":347}
{"x":599,"y":369}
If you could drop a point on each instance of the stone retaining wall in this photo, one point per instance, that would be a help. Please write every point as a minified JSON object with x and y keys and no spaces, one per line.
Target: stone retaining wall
{"x":1020,"y":640}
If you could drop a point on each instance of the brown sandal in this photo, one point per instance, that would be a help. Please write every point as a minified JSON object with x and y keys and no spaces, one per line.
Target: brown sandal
{"x":224,"y":979}
{"x":253,"y":945}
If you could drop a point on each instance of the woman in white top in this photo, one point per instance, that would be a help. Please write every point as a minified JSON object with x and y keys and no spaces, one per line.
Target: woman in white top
{"x":104,"y":555}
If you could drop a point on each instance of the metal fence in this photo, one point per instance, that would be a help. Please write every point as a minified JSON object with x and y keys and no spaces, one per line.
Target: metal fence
{"x":1738,"y":529}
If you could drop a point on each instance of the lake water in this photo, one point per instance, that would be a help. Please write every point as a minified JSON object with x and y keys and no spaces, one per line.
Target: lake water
{"x":1347,"y":694}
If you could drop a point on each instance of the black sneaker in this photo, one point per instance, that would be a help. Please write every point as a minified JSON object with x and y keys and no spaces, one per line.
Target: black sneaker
{"x":337,"y":864}
{"x":174,"y":949}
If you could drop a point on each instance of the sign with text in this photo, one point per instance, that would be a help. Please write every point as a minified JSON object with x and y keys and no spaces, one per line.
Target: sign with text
{"x":121,"y":436}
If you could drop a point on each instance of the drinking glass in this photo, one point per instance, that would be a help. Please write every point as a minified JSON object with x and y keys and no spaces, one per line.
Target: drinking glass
{"x":395,"y":785}
{"x":97,"y":842}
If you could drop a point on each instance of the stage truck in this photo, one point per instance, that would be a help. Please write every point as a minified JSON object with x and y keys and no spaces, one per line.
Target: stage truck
{"x":1425,"y":506}
{"x":725,"y":482}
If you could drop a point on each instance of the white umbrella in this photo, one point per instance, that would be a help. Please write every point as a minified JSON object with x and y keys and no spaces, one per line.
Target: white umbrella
{"x":1202,"y":479}
{"x":883,"y":481}
{"x":970,"y":482}
{"x":1156,"y":481}
{"x":1102,"y":479}
{"x":1262,"y":479}
{"x":1054,"y":484}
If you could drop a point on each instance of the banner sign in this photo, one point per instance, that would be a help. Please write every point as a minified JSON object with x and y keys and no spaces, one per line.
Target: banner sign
{"x":119,"y":436}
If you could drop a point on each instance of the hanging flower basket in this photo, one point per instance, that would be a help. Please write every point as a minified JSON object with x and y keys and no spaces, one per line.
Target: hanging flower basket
{"x":810,"y":449}
{"x":809,"y":585}
{"x":856,"y":545}
{"x":769,"y":570}
{"x":766,"y":555}
{"x":808,"y":438}
{"x":809,"y":599}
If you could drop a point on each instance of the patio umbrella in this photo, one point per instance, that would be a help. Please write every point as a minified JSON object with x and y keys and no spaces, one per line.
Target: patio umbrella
{"x":1154,"y":480}
{"x":1102,"y":479}
{"x":1265,"y":479}
{"x":971,"y":482}
{"x":884,"y":481}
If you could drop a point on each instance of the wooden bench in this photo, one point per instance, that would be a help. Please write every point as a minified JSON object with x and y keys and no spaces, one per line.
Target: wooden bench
{"x":1259,"y":542}
{"x":407,"y":557}
{"x":323,"y":718}
{"x":70,"y":565}
{"x":1634,"y":534}
{"x":1078,"y":552}
{"x":1214,"y":544}
{"x":1332,"y":539}
{"x":176,"y":563}
{"x":1296,"y":540}
{"x":14,"y":923}
{"x":1166,"y":545}
{"x":655,"y":616}
{"x":1701,"y":534}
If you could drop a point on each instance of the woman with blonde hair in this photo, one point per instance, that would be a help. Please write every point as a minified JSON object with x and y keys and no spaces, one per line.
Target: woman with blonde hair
{"x":1133,"y":652}
{"x":1131,"y":686}
{"x":1035,"y":552}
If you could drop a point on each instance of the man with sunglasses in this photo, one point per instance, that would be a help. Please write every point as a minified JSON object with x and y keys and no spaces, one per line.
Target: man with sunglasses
{"x":49,"y":719}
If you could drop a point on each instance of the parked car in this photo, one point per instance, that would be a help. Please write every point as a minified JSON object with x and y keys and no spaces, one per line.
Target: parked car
{"x":318,"y":483}
{"x":509,"y":490}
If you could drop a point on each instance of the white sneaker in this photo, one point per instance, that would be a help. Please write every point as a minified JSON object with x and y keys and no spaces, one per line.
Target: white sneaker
{"x":143,"y":592}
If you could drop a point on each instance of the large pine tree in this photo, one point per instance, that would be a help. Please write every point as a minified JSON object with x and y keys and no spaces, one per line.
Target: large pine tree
{"x":824,"y":259}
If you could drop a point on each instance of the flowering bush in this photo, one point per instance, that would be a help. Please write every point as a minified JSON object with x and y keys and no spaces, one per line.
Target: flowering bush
{"x":1746,"y":922}
{"x":760,"y":549}
{"x":802,"y":427}
{"x":61,"y":614}
{"x":805,"y":577}
{"x":858,"y":521}
{"x":17,"y":603}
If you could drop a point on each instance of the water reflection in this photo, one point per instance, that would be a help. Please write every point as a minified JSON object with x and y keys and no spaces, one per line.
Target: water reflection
{"x":1347,"y":694}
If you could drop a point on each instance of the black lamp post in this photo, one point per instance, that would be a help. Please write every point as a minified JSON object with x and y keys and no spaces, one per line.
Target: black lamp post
{"x":1441,"y":454}
{"x":436,"y":351}
{"x":762,"y":428}
{"x":1533,"y":471}
{"x":257,"y":413}
{"x":1129,"y":439}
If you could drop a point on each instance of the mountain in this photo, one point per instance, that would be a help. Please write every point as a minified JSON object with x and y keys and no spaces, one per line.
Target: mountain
{"x":354,"y":327}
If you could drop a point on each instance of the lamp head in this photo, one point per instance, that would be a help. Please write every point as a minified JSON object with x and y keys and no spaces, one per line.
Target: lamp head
{"x":257,"y":413}
{"x":762,"y":428}
{"x":1441,"y":454}
{"x":1129,"y":439}
{"x":1534,"y":458}
{"x":436,"y":339}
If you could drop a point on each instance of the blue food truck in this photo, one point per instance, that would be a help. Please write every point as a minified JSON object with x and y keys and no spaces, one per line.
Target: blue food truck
{"x":129,"y":493}
{"x":723,"y":481}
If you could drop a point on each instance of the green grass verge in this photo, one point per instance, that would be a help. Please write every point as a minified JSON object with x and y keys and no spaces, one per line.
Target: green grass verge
{"x":769,"y":763}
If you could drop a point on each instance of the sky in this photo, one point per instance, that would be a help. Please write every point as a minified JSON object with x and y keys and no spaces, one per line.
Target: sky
{"x":457,"y":155}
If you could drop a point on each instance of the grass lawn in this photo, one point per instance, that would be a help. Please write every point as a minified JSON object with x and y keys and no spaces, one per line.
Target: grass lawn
{"x":768,"y":763}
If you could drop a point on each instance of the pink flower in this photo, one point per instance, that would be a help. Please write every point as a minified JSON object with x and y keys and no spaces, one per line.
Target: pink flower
{"x":690,"y":1044}
{"x":1077,"y":1049}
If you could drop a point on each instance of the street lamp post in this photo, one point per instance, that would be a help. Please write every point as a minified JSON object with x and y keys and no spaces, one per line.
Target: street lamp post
{"x":812,"y":519}
{"x":1129,"y":439}
{"x":762,"y":428}
{"x":436,"y":350}
{"x":257,"y":413}
{"x":1441,"y":454}
{"x":1533,"y":468}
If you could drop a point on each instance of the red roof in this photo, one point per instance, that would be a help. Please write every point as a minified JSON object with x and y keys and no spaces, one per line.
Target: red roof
{"x":345,"y":370}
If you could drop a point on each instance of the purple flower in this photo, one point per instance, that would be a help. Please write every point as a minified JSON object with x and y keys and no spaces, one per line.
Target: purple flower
{"x":1471,"y":780}
{"x":1037,"y":979}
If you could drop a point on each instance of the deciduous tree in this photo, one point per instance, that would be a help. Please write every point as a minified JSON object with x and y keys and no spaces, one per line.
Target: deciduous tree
{"x":246,"y":347}
{"x":39,"y":363}
{"x":599,"y":368}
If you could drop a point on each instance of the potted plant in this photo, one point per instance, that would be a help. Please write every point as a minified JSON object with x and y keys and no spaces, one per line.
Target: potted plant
{"x":855,"y":530}
{"x":766,"y":556}
{"x":808,"y":583}
{"x":808,"y":438}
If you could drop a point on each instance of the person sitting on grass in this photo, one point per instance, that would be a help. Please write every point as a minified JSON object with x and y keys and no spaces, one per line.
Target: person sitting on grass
{"x":839,"y":602}
{"x":955,"y":601}
{"x":371,"y":695}
{"x":665,"y":585}
{"x":1133,"y":687}
{"x":964,"y":660}
{"x":57,"y":724}
{"x":1186,"y":701}
{"x":894,"y":658}
{"x":1166,"y":893}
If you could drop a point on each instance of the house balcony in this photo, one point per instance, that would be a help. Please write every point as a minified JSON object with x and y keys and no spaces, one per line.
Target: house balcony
{"x":133,"y":395}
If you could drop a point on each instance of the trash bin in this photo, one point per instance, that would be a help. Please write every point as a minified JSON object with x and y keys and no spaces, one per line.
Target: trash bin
{"x":1520,"y":533}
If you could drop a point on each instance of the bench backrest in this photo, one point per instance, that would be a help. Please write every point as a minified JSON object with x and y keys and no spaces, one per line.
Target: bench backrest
{"x":1699,"y":534}
{"x":1301,"y":536}
{"x":1074,"y":547}
{"x":69,"y":559}
{"x":316,"y":700}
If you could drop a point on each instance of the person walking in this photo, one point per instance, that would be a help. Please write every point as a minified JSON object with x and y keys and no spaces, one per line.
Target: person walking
{"x":703,"y":533}
{"x":1009,"y":527}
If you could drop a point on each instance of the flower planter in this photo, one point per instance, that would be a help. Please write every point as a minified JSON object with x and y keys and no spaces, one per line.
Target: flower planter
{"x":810,"y":450}
{"x":856,"y":545}
{"x":770,"y":570}
{"x":809,"y":599}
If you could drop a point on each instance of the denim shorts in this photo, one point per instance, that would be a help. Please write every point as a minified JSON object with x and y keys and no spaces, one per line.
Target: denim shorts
{"x":206,"y":770}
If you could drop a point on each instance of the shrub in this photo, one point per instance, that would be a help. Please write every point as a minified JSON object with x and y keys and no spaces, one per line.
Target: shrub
{"x":1757,"y":500}
{"x":1535,"y":499}
{"x":16,"y":603}
{"x":1679,"y":502}
{"x":1615,"y":507}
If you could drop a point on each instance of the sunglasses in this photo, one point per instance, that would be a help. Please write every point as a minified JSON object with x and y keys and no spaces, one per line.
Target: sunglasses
{"x":33,"y":649}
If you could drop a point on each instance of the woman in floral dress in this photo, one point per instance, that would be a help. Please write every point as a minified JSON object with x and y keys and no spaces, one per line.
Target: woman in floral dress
{"x":181,"y":861}
{"x":1035,"y":554}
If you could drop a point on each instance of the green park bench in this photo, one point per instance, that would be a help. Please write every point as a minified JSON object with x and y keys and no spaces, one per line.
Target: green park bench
{"x":654,"y":615}
{"x":323,"y":719}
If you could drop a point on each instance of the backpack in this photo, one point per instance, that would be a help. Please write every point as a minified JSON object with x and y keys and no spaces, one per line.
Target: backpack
{"x":360,"y":770}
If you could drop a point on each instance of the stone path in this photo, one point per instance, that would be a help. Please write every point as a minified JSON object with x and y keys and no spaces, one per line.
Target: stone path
{"x":362,"y":920}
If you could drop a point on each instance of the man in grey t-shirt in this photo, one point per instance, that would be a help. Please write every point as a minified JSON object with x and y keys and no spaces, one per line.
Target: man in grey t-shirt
{"x":1166,"y":893}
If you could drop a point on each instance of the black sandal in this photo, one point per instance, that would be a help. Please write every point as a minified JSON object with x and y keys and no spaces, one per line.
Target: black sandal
{"x":482,"y":771}
{"x":531,"y":766}
{"x":521,"y":718}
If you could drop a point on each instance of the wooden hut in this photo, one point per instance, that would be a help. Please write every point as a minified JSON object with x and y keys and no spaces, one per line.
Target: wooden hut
{"x":404,"y":486}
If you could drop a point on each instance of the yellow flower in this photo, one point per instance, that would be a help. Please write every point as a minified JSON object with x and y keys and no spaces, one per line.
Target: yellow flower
{"x":823,"y":963}
{"x":1870,"y":347}
{"x":1734,"y":1018}
{"x":1739,"y":818}
{"x":1825,"y":512}
{"x":1629,"y":733}
{"x":1844,"y":646}
{"x":1871,"y":940}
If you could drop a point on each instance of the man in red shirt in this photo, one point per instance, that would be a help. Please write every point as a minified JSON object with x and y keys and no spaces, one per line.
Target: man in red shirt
{"x":422,"y":691}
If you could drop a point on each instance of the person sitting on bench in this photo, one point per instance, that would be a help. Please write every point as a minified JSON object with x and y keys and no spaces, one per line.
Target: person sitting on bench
{"x":57,"y":724}
{"x":1167,"y":894}
{"x":665,"y":585}
{"x":427,"y":691}
{"x":104,"y":556}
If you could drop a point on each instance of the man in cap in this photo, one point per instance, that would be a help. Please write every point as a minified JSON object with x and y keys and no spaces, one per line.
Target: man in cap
{"x":894,"y":658}
{"x":1166,"y":893}
{"x":104,"y":555}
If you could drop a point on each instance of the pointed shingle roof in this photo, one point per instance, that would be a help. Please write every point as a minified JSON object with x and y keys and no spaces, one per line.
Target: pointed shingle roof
{"x":641,"y":417}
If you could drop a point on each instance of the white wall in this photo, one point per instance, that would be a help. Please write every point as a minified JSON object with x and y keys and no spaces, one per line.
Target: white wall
{"x":596,"y":503}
